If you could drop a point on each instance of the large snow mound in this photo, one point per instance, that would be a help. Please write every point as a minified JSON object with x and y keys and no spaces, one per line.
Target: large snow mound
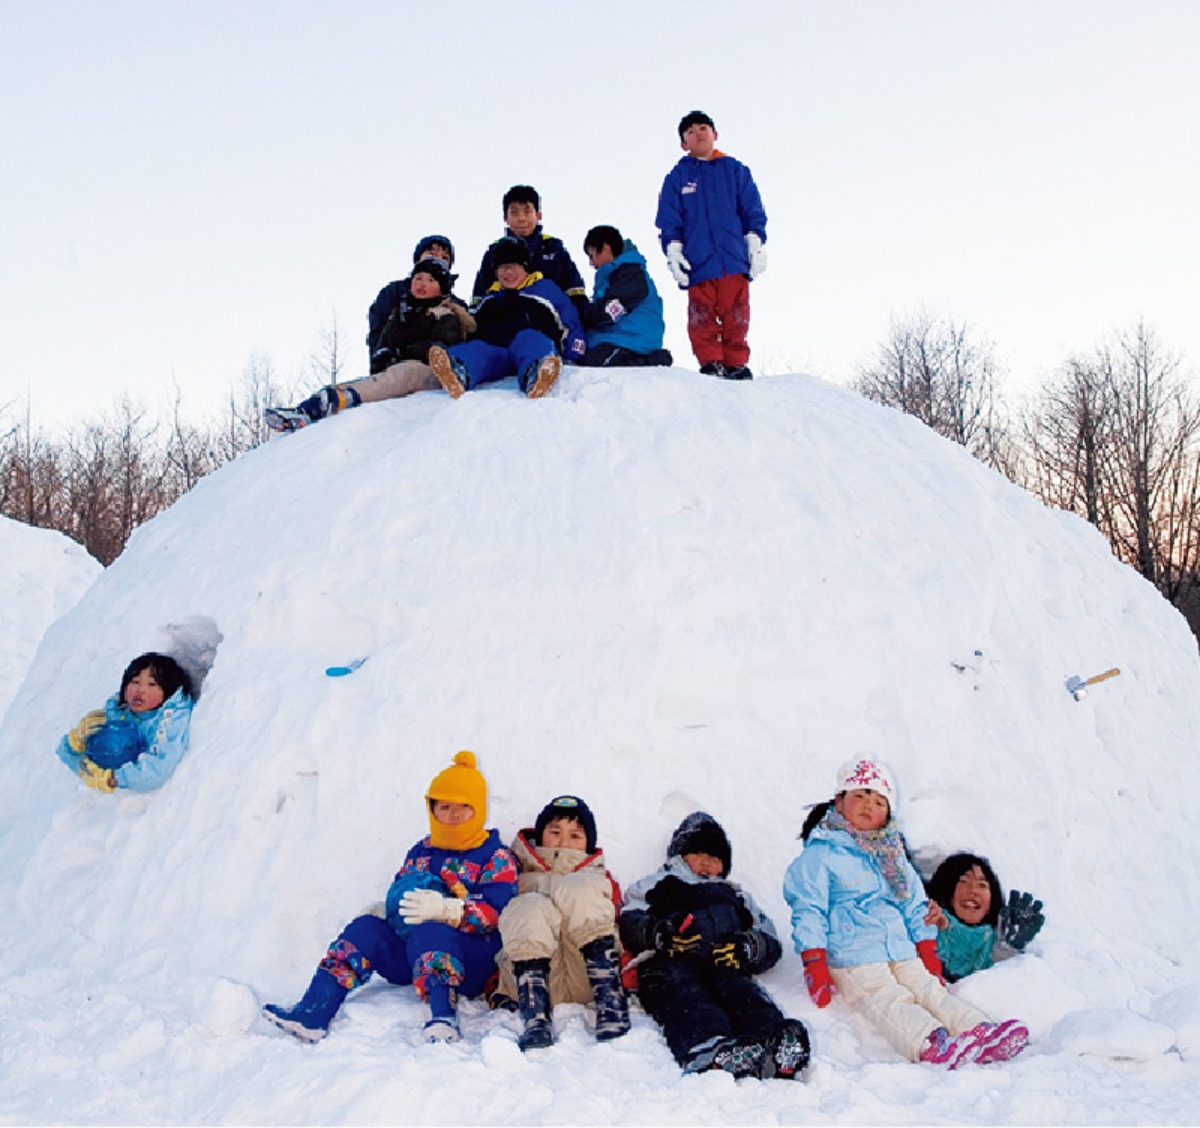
{"x":42,"y":575}
{"x":658,"y":591}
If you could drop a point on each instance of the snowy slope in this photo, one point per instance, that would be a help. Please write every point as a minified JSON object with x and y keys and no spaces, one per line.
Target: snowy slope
{"x":660,"y":592}
{"x":42,"y":575}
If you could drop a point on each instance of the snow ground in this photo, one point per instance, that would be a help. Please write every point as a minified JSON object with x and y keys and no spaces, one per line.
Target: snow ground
{"x":660,"y":592}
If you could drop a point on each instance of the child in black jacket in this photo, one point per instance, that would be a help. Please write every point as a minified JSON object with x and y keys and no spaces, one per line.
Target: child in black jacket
{"x":699,"y":940}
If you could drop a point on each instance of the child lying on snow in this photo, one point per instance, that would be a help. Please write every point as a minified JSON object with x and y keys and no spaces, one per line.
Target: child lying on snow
{"x":967,"y":906}
{"x":438,"y":931}
{"x":704,"y":940}
{"x":560,"y":931}
{"x":137,"y":740}
{"x":858,"y":922}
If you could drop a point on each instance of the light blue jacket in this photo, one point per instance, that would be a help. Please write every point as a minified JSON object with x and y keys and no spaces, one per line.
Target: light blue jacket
{"x":638,"y":324}
{"x":841,"y":902}
{"x":165,"y":730}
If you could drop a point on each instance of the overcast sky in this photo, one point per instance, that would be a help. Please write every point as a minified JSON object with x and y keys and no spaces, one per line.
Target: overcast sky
{"x":186,"y":185}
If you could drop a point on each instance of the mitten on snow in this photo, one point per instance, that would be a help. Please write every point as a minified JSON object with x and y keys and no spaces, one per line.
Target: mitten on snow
{"x":816,"y":976}
{"x":927,"y":950}
{"x":1020,"y":920}
{"x":677,"y":264}
{"x":757,"y":253}
{"x":95,"y":776}
{"x":77,"y":737}
{"x":419,"y":905}
{"x":738,"y":952}
{"x":676,"y":937}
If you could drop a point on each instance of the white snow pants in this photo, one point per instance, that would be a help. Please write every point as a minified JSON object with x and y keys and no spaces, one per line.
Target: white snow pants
{"x":904,"y":1002}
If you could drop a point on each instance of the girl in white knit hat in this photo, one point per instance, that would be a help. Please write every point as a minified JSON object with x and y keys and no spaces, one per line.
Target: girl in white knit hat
{"x":858,"y":922}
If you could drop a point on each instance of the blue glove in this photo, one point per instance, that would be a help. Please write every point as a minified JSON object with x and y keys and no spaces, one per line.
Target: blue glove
{"x":1020,"y":920}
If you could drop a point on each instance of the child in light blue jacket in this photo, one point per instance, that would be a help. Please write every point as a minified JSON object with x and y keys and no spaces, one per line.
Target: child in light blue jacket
{"x":858,"y":922}
{"x":137,"y":740}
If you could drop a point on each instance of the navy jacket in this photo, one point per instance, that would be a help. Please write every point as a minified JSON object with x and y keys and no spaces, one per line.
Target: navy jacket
{"x":547,"y":256}
{"x":539,"y":304}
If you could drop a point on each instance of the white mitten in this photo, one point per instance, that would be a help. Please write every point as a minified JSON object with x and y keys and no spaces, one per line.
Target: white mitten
{"x":757,"y":253}
{"x":677,"y":264}
{"x":419,"y":905}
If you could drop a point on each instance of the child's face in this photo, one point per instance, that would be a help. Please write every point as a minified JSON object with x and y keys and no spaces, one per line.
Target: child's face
{"x":862,"y":809}
{"x":452,"y":814}
{"x":143,"y":693}
{"x":437,"y":251}
{"x":704,"y":865}
{"x":423,"y":286}
{"x":522,"y":218}
{"x":564,"y":833}
{"x":972,"y":897}
{"x":699,"y":140}
{"x":510,"y":275}
{"x":597,"y":257}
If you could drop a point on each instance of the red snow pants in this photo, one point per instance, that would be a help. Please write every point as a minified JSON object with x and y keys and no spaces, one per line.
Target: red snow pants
{"x":719,"y":319}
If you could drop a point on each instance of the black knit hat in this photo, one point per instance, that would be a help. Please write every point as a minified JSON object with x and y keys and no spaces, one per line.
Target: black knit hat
{"x":700,"y":833}
{"x":438,"y":271}
{"x":428,"y":242}
{"x":510,"y":249}
{"x":567,"y":807}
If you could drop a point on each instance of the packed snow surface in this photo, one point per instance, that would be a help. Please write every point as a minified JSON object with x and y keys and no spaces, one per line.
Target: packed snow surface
{"x":660,"y":592}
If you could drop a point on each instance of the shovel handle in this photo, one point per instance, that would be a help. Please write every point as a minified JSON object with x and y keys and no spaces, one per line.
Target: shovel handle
{"x":1103,"y":677}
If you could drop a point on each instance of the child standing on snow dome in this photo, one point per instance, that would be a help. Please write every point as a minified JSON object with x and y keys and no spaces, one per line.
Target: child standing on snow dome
{"x":858,"y":922}
{"x":438,"y":928}
{"x":137,"y":740}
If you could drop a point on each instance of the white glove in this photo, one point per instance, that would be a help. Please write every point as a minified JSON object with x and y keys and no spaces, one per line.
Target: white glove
{"x":677,"y":264}
{"x":757,"y":253}
{"x":419,"y":905}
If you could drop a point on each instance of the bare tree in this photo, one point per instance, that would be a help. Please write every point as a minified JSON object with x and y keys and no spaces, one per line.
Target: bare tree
{"x":328,"y":358}
{"x":248,"y":401}
{"x":940,"y":373}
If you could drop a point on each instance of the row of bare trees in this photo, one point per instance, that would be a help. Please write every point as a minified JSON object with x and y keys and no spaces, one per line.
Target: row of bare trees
{"x":1114,"y":436}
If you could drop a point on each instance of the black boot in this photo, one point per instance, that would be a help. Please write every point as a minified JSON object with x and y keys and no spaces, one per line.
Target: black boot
{"x":604,"y":974}
{"x":787,"y":1050}
{"x":533,"y":1001}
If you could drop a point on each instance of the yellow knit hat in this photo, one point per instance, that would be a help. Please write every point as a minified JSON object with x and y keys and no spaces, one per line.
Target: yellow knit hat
{"x":462,"y":782}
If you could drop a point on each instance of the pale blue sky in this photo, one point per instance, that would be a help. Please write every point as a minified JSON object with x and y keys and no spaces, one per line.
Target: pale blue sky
{"x":185,"y":184}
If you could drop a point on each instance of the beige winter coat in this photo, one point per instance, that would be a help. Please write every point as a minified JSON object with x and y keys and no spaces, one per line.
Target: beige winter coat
{"x":565,"y":899}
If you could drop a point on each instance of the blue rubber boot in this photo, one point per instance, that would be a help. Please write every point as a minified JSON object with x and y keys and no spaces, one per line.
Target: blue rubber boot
{"x":443,"y":1018}
{"x":309,"y":1019}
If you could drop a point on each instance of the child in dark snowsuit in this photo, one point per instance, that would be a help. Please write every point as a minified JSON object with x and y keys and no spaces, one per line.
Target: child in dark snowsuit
{"x":701,"y":940}
{"x":968,"y":908}
{"x":137,"y":740}
{"x":439,"y":928}
{"x":426,"y":314}
{"x":560,"y":931}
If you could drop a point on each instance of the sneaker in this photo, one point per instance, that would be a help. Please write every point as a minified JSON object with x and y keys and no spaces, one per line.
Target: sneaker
{"x":545,"y":377}
{"x":292,"y":1020}
{"x":743,"y":1057}
{"x":787,"y":1051}
{"x":443,"y":1028}
{"x":999,"y":1042}
{"x":451,"y":373}
{"x":942,"y":1049}
{"x":284,"y":420}
{"x":713,"y":368}
{"x":741,"y":372}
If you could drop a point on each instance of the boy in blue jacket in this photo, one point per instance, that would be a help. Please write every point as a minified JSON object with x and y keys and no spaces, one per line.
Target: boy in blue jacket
{"x":712,"y":226}
{"x":547,"y":254}
{"x":524,"y":326}
{"x":625,"y":318}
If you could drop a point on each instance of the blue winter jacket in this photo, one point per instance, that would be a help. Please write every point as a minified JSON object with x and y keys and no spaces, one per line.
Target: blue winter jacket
{"x":710,"y":207}
{"x":487,"y":875}
{"x":842,"y":902}
{"x":165,"y":731}
{"x":626,"y":310}
{"x":537,"y":304}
